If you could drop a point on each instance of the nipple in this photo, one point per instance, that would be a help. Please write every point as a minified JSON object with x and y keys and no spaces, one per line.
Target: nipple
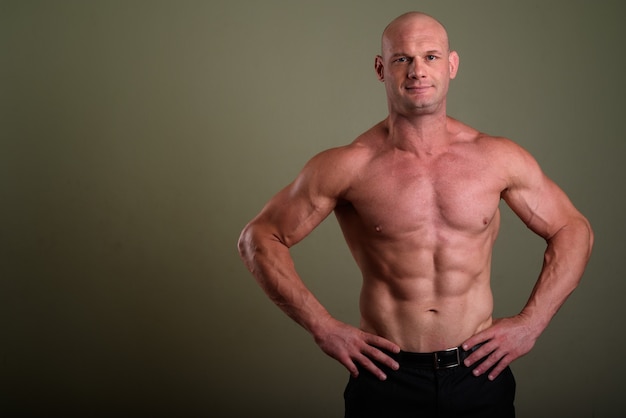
{"x":378,"y":228}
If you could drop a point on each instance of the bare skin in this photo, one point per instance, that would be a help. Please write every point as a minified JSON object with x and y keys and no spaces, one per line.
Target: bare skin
{"x":417,"y":199}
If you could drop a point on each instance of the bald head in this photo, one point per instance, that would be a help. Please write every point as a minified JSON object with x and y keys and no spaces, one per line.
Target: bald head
{"x":413,"y":24}
{"x":415,"y":51}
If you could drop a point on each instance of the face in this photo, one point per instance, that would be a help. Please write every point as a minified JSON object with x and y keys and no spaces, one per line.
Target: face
{"x":416,"y":65}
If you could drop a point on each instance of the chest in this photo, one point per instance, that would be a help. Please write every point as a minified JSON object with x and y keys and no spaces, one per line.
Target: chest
{"x":402,"y":195}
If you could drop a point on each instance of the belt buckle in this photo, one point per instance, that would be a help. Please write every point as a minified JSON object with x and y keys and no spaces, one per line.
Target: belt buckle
{"x":447,"y":366}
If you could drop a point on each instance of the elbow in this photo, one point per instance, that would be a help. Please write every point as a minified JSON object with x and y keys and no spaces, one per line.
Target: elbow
{"x":590,"y":238}
{"x":254,"y":243}
{"x":247,"y":247}
{"x":585,"y":233}
{"x":245,"y":243}
{"x":576,"y":235}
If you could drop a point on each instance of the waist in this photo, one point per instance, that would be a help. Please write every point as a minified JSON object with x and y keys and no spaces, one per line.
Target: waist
{"x":444,"y":359}
{"x":426,"y":324}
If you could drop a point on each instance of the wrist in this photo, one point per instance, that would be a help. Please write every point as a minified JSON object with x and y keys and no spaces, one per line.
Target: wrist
{"x":534,"y":323}
{"x":319,"y":328}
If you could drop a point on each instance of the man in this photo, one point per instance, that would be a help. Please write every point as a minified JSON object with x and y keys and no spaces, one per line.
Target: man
{"x":417,"y":199}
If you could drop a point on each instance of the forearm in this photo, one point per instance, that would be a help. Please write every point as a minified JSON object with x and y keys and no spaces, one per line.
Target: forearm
{"x":270,"y":262}
{"x":565,"y":259}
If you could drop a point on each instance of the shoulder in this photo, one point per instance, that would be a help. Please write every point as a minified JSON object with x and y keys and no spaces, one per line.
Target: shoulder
{"x":497,"y":148}
{"x":513,"y":163}
{"x":333,"y":170}
{"x":510,"y":159}
{"x":346,"y":159}
{"x":502,"y":149}
{"x":484,"y":142}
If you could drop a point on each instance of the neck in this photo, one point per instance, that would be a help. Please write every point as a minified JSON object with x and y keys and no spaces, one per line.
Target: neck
{"x":421,"y":134}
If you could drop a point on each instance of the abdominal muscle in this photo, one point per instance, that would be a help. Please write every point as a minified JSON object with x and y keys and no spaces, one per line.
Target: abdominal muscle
{"x":422,"y":298}
{"x":424,"y":320}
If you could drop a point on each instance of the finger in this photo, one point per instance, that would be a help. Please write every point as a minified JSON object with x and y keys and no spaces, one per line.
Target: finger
{"x":352,"y":368}
{"x":380,"y":342}
{"x":502,"y":364}
{"x":372,"y":368}
{"x":480,"y":338}
{"x":382,"y":358}
{"x":490,"y":361}
{"x":480,"y":353}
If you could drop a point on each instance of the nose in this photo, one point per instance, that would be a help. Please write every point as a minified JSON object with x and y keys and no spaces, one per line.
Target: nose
{"x":416,"y":70}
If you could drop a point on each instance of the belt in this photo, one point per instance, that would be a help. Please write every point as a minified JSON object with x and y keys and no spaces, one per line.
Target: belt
{"x":445,"y":359}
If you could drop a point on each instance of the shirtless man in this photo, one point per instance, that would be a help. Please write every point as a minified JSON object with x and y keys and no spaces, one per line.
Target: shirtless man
{"x":417,"y":198}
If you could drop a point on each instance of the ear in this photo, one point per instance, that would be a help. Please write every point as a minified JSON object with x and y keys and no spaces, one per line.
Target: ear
{"x":453,"y":59}
{"x":379,"y":67}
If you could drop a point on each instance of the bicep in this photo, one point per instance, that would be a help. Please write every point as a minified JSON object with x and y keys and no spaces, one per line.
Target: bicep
{"x":539,"y":202}
{"x":294,"y":212}
{"x":301,"y":206}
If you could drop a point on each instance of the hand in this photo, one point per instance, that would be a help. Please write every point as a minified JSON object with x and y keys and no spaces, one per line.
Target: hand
{"x":504,"y":341}
{"x":350,"y":345}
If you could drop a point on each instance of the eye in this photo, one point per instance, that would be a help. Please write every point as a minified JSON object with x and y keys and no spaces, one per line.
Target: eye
{"x":431,"y":57}
{"x":402,"y":59}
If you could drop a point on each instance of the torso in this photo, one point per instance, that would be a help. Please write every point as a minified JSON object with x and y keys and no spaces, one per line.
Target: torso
{"x":421,"y":229}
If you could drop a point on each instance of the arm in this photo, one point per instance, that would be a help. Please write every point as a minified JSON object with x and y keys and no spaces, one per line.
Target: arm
{"x":264,"y":247}
{"x":548,"y":212}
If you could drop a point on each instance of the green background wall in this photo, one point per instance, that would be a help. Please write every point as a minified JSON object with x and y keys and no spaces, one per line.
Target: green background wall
{"x":138,"y":137}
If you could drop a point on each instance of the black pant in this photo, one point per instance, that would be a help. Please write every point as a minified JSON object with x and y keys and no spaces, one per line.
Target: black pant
{"x":423,"y":392}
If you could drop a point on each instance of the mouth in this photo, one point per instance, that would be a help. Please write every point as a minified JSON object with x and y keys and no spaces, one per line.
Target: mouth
{"x":417,"y":89}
